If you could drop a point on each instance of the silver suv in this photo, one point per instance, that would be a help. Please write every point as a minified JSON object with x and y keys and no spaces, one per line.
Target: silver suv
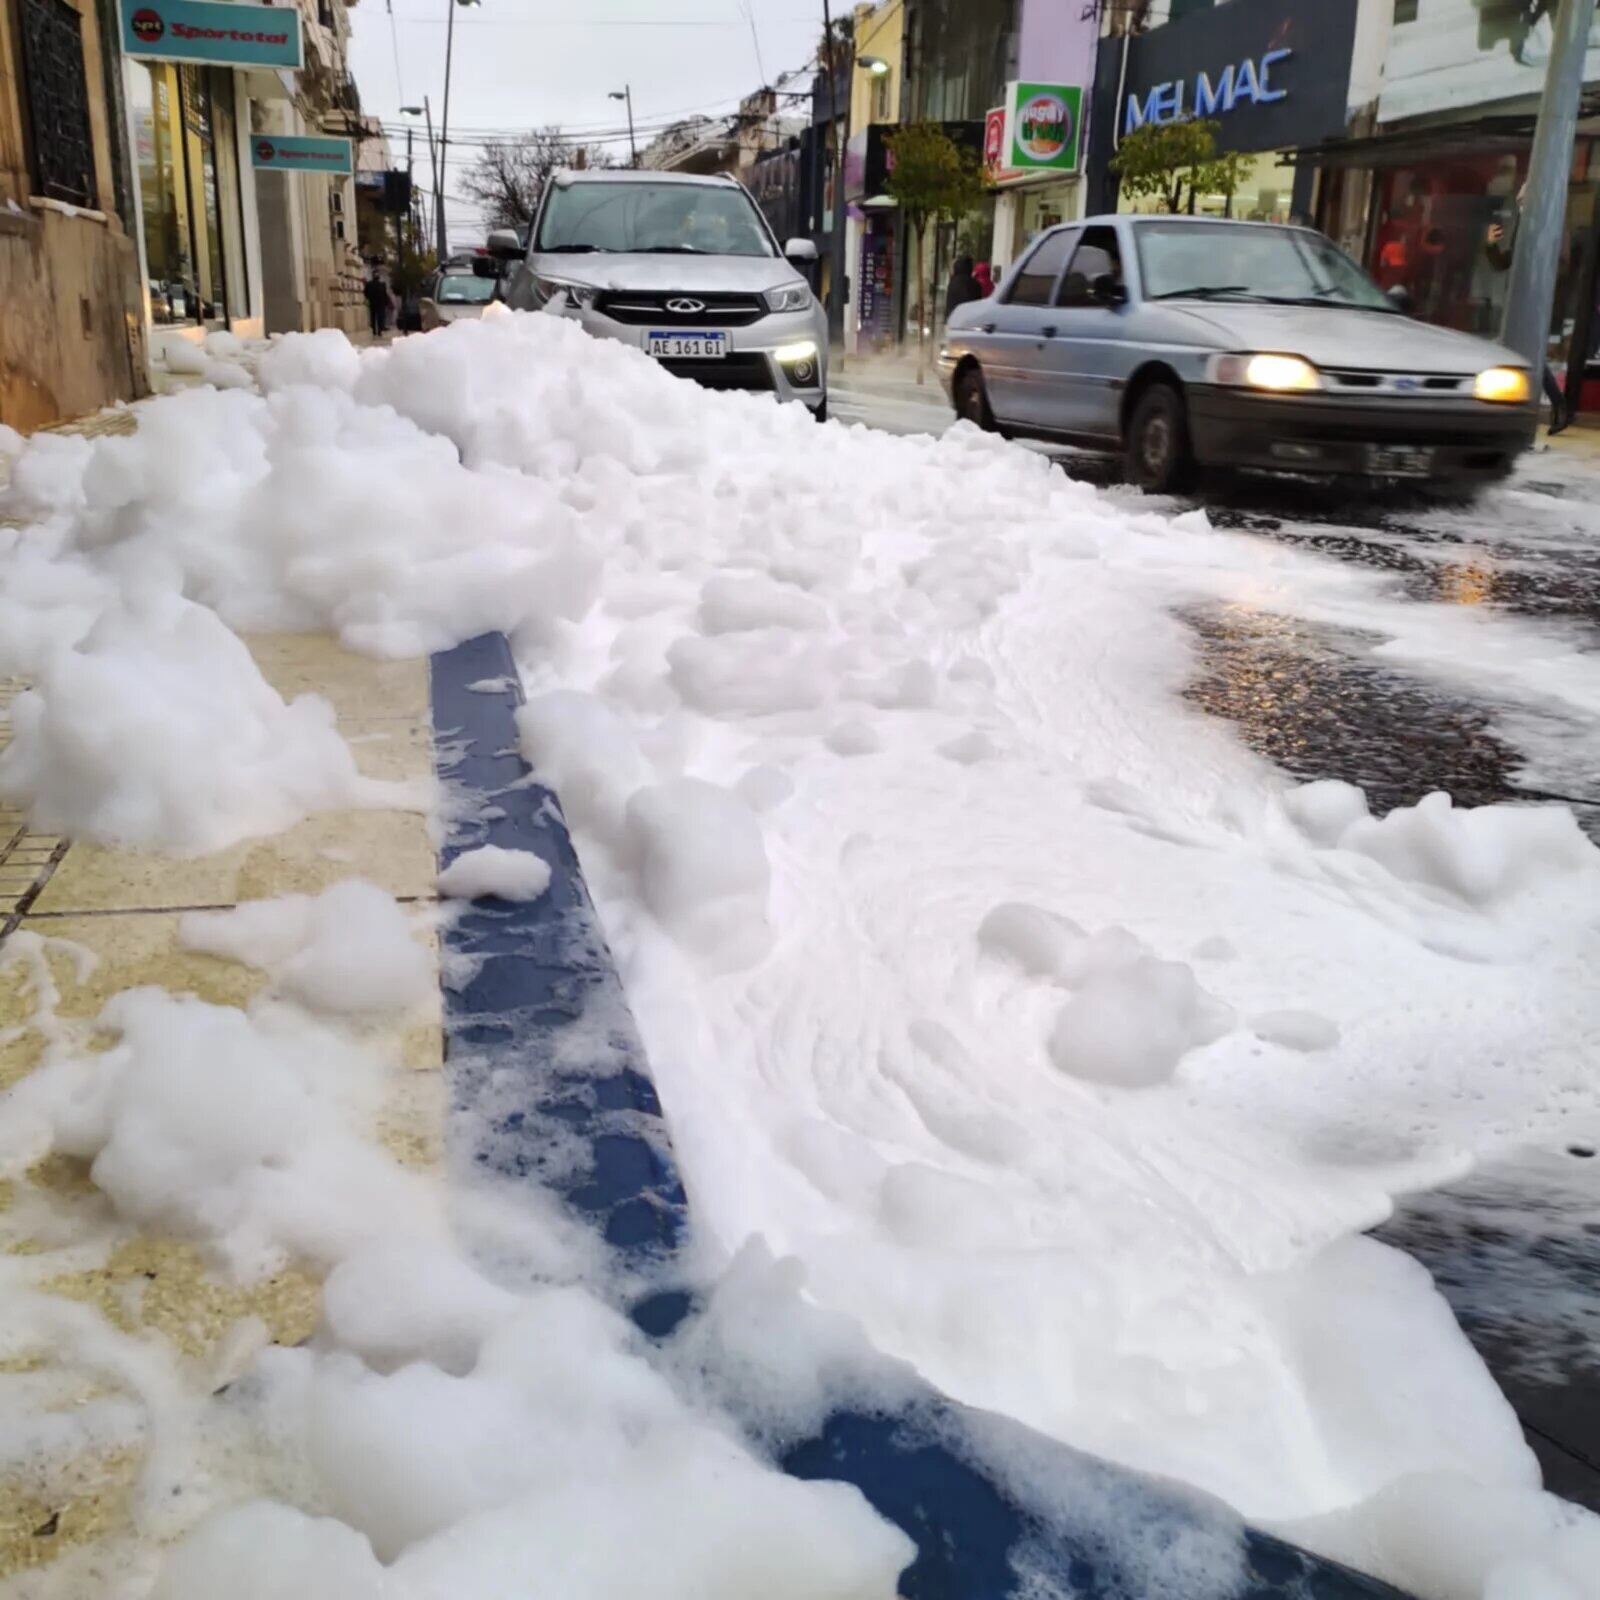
{"x":685,"y":268}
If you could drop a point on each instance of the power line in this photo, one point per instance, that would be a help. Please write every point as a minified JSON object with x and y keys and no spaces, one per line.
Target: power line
{"x":394,"y":39}
{"x":755,"y":38}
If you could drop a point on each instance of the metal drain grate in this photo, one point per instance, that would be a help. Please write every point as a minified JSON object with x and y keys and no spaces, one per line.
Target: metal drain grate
{"x":26,"y":858}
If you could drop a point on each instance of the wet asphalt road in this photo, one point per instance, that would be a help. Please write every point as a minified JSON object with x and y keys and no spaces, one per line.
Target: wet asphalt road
{"x":1515,"y":1248}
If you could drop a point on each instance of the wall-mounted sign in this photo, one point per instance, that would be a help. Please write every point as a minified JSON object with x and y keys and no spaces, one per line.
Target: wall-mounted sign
{"x":1248,"y":81}
{"x":994,"y":142}
{"x":1273,"y":75}
{"x":1044,"y":127}
{"x":220,"y":33}
{"x":282,"y":152}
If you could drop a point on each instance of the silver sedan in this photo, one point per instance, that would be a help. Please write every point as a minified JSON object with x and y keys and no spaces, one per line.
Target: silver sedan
{"x":1186,"y":342}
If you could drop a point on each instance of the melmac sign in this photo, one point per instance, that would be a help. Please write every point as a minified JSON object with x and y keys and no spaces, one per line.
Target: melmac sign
{"x":218,"y":33}
{"x":1043,"y":127}
{"x":1249,"y":80}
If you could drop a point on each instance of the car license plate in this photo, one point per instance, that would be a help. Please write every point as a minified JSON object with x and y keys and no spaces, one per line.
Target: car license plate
{"x":690,"y":346}
{"x":1399,"y":461}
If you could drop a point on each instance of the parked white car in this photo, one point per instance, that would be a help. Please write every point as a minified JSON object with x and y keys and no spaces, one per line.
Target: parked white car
{"x":455,"y":297}
{"x":684,"y":267}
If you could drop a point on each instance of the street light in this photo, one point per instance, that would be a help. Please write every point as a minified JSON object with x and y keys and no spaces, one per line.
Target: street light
{"x":626,"y":93}
{"x":876,"y":65}
{"x":441,"y":242}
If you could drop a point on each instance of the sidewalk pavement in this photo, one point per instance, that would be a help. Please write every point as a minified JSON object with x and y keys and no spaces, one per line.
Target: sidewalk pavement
{"x":116,"y":913}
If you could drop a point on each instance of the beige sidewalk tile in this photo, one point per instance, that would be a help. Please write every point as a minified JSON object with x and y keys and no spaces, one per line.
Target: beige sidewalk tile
{"x":358,"y":686}
{"x":390,"y":848}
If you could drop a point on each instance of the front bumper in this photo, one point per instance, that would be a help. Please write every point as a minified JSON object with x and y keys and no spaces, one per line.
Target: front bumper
{"x":1324,"y":435}
{"x":751,"y":363}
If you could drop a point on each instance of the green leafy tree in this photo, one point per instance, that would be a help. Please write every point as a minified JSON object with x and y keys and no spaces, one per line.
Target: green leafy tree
{"x":931,"y":179}
{"x":1176,"y":161}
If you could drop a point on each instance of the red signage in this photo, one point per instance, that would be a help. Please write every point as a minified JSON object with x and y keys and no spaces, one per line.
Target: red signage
{"x":994,"y":141}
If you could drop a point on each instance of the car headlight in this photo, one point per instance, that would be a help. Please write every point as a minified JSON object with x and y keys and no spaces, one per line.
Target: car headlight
{"x":1507,"y":386}
{"x":580,"y":295}
{"x":788,"y":297}
{"x":1276,"y":373}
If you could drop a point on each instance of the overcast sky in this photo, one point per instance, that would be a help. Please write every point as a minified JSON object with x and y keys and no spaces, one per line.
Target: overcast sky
{"x":526,"y":63}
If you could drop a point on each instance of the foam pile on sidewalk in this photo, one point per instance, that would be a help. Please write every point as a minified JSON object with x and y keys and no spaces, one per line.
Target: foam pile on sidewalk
{"x":1065,"y":1047}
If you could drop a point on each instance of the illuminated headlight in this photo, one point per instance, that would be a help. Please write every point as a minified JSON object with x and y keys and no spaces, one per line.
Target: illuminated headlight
{"x":788,"y":297}
{"x":799,"y":362}
{"x":551,"y":290}
{"x":1504,"y":385}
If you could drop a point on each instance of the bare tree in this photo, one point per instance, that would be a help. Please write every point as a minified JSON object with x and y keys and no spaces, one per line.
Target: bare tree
{"x":509,"y":175}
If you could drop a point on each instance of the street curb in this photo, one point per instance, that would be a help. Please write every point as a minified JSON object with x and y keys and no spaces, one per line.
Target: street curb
{"x":534,"y":1079}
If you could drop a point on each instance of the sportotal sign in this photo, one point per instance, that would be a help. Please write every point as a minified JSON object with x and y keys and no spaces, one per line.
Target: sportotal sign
{"x":1043,"y":127}
{"x":218,"y":33}
{"x":283,"y":152}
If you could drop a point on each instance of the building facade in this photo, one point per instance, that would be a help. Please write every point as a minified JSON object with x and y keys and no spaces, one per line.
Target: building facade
{"x":71,"y":322}
{"x":243,"y":168}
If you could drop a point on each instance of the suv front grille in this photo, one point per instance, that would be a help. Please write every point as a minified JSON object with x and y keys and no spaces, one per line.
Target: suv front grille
{"x":717,"y":310}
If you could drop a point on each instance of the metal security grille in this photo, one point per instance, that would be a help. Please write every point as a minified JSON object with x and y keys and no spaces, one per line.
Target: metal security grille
{"x":58,"y":101}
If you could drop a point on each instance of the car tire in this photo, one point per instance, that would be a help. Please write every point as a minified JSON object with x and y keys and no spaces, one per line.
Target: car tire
{"x":1156,"y":454}
{"x":971,"y":397}
{"x":820,"y":413}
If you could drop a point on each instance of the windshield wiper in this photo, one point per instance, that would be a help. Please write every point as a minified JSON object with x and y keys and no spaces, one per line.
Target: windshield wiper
{"x":670,"y":250}
{"x":572,"y":249}
{"x":1321,"y":298}
{"x":1207,"y":291}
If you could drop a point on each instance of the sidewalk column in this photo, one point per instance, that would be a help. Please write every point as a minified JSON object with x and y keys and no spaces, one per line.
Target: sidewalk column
{"x":1536,"y":254}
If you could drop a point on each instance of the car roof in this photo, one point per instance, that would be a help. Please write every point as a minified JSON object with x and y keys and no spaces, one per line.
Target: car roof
{"x":569,"y":175}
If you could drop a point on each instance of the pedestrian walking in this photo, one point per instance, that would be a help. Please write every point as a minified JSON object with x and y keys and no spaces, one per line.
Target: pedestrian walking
{"x":984,"y":278}
{"x":378,"y":301}
{"x":962,"y":286}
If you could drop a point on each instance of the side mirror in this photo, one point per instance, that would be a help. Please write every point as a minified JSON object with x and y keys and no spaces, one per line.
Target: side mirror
{"x":1400,"y":299}
{"x":800,"y":250}
{"x":485,"y":267}
{"x":503,"y":245}
{"x":1107,"y":291}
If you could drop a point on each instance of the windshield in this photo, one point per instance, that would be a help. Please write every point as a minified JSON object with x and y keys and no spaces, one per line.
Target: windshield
{"x":694,"y":219}
{"x":1289,"y":265}
{"x":465,"y":291}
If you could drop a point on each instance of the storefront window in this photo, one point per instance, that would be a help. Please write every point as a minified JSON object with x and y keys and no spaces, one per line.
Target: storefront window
{"x":1434,"y":237}
{"x":1265,"y":194}
{"x":188,"y":188}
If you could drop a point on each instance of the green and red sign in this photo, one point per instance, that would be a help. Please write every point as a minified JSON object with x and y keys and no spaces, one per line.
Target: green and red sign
{"x":1044,"y":127}
{"x":218,"y":33}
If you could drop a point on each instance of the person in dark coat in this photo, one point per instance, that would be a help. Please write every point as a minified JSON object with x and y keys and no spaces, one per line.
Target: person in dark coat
{"x":377,"y":295}
{"x":962,"y":287}
{"x":1500,"y":248}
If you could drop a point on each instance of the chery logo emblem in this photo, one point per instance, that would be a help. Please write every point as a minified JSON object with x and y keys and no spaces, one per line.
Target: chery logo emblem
{"x":147,"y":26}
{"x":685,"y":307}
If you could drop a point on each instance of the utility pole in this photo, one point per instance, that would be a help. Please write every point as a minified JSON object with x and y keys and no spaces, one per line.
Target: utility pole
{"x":1536,"y":253}
{"x":627,"y":94}
{"x":433,"y":172}
{"x":443,"y":246}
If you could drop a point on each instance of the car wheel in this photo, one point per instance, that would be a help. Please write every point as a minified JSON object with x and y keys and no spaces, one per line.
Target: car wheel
{"x":1156,"y":456}
{"x":972,"y":399}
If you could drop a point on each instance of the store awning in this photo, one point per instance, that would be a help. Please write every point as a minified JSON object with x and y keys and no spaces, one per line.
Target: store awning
{"x":1481,"y":136}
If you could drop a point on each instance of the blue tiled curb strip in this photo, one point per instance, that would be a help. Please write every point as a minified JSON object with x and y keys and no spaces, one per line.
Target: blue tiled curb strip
{"x":543,"y":1054}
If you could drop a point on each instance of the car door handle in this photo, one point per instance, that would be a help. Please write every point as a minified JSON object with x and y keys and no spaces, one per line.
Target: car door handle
{"x":987,"y":327}
{"x":1049,"y":332}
